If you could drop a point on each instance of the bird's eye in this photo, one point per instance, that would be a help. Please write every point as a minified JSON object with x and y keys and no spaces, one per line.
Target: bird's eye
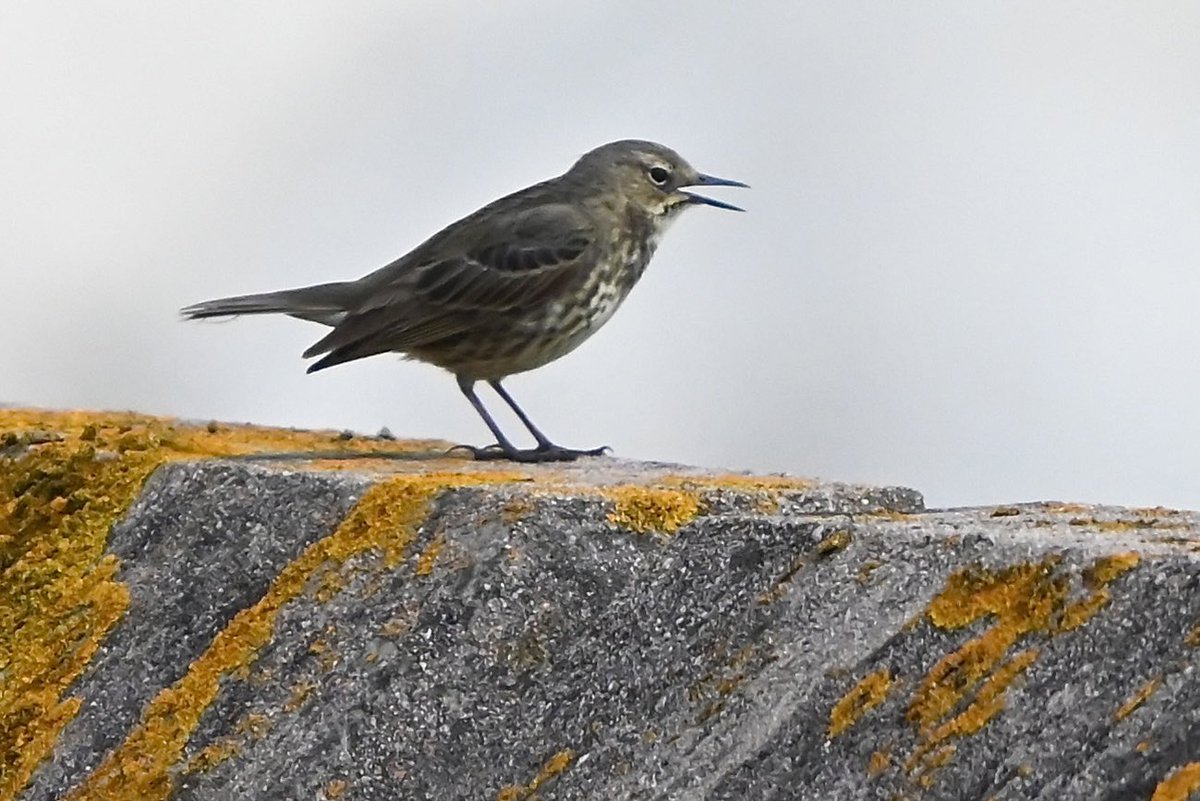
{"x":660,"y":175}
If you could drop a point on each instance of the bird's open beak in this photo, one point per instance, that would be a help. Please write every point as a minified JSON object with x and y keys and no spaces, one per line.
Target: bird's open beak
{"x":709,"y":180}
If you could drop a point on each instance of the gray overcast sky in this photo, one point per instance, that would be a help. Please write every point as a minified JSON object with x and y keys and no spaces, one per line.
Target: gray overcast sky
{"x":969,"y":266}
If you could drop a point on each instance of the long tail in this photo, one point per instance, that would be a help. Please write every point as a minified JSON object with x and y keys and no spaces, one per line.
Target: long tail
{"x":323,"y":303}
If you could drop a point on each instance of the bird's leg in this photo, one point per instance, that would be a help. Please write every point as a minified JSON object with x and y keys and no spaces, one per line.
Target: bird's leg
{"x":503,"y":449}
{"x":548,"y":450}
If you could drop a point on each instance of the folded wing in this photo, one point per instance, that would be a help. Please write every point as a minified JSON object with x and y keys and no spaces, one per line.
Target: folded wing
{"x":474,"y":275}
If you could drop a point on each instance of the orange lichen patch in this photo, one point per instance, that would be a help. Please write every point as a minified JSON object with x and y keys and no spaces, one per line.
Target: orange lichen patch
{"x":837,"y":541}
{"x":1138,"y":698}
{"x":780,"y":587}
{"x":428,"y":556}
{"x":890,"y":514}
{"x":336,"y":789}
{"x":864,"y":696}
{"x":301,"y":692}
{"x":1097,"y":577}
{"x":1107,"y":568}
{"x":712,"y":690}
{"x":523,"y":792}
{"x":254,"y":724}
{"x":1155,"y":511}
{"x":1124,"y":524}
{"x":1065,"y":508}
{"x":1021,"y":599}
{"x":61,"y":489}
{"x":866,"y":570}
{"x":125,"y":431}
{"x":651,"y":509}
{"x":939,"y":758}
{"x":1083,"y":610}
{"x":764,"y":492}
{"x":1023,"y":596}
{"x":384,"y":522}
{"x":516,"y":509}
{"x":879,"y":762}
{"x":988,"y":702}
{"x":1181,"y":785}
{"x":737,"y":481}
{"x":329,"y":584}
{"x":214,"y":754}
{"x":327,"y":658}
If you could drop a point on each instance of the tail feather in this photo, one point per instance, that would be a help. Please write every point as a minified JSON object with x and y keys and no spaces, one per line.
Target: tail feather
{"x":324,"y":303}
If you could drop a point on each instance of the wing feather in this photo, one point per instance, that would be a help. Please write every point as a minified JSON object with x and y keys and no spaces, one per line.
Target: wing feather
{"x":469,"y":273}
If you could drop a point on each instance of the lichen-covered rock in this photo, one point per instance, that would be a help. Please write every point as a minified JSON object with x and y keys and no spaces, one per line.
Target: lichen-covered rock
{"x":381,"y":621}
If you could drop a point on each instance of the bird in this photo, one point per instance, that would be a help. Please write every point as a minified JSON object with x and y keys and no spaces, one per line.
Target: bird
{"x":509,"y":288}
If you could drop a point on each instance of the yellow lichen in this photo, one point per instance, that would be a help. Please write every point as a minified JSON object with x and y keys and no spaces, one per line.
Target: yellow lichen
{"x":336,"y":789}
{"x":330,"y":583}
{"x":384,"y":521}
{"x":879,"y":762}
{"x":213,"y":754}
{"x":61,"y":489}
{"x":516,"y":509}
{"x":834,"y":542}
{"x":1097,"y":577}
{"x":652,"y":509}
{"x":988,"y":702}
{"x":864,"y":696}
{"x":934,"y":760}
{"x":526,"y":792}
{"x":764,"y":492}
{"x":1138,"y":698}
{"x":1125,"y":524}
{"x":1192,"y":639}
{"x":1181,"y":785}
{"x":65,"y":478}
{"x":738,"y":481}
{"x":780,"y":587}
{"x":1020,"y":599}
{"x":1083,"y":610}
{"x":301,"y":692}
{"x":428,"y":556}
{"x":1104,"y":570}
{"x":254,"y":724}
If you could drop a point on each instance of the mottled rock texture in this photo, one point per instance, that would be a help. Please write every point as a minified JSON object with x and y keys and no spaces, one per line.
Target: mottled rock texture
{"x":259,"y":623}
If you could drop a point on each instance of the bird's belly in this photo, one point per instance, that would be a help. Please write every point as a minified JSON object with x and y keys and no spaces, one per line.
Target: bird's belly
{"x":528,"y":342}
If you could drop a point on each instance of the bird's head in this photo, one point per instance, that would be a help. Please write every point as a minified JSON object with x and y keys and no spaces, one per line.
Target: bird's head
{"x":648,"y":175}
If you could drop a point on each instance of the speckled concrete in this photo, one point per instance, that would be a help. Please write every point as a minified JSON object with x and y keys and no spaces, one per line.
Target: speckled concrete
{"x":528,"y":646}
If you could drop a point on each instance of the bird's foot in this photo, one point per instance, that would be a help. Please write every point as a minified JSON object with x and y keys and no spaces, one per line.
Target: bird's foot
{"x":547,"y":452}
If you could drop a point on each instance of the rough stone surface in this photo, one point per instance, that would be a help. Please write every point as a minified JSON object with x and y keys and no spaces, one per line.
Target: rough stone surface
{"x":824,"y":642}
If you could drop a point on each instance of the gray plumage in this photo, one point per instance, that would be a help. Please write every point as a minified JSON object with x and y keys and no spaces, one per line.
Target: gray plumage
{"x":509,"y":288}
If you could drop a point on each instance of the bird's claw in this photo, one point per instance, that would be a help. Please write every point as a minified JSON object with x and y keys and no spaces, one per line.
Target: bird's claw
{"x":548,"y":452}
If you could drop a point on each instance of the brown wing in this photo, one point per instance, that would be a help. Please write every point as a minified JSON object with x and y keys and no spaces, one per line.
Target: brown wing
{"x":521,"y":260}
